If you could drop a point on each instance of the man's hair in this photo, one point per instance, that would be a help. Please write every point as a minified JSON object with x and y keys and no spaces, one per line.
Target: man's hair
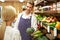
{"x":31,"y":2}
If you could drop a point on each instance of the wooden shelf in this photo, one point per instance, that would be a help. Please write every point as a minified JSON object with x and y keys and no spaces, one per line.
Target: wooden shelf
{"x":45,"y":25}
{"x":48,"y":2}
{"x":40,"y":4}
{"x":48,"y":14}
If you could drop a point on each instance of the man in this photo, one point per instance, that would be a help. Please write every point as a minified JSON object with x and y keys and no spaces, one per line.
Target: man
{"x":25,"y":20}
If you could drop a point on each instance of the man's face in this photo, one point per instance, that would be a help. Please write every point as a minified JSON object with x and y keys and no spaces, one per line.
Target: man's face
{"x":29,"y":8}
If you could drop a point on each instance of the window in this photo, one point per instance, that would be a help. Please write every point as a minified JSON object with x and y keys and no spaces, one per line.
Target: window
{"x":0,"y":10}
{"x":0,"y":13}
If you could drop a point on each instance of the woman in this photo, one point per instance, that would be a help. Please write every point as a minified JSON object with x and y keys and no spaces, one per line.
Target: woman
{"x":7,"y":32}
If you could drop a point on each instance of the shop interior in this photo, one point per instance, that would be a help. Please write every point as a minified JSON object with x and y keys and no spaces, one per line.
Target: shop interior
{"x":47,"y":14}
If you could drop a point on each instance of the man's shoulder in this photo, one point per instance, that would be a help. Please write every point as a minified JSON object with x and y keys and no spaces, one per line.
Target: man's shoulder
{"x":33,"y":15}
{"x":20,"y":13}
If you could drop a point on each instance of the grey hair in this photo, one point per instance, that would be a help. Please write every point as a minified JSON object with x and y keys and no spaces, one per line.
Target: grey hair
{"x":8,"y":12}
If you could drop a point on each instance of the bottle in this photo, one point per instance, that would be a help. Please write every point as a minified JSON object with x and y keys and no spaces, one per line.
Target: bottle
{"x":55,"y":32}
{"x":48,"y":29}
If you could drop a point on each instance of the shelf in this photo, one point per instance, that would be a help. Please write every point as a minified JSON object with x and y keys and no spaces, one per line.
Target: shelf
{"x":44,"y":3}
{"x":44,"y":25}
{"x":48,"y":14}
{"x":40,"y":4}
{"x":52,"y":28}
{"x":52,"y":0}
{"x":47,"y":2}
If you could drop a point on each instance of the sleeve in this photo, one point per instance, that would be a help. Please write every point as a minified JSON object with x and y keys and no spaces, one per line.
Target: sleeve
{"x":34,"y":22}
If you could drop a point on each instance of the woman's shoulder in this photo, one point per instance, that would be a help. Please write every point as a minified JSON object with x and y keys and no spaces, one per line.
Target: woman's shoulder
{"x":9,"y":29}
{"x":11,"y":33}
{"x":12,"y":30}
{"x":16,"y":31}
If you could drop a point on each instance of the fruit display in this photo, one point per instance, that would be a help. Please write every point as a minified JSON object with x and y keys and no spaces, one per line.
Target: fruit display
{"x":39,"y":17}
{"x":53,"y":24}
{"x":34,"y":34}
{"x":45,"y":18}
{"x":50,"y":21}
{"x":42,"y":38}
{"x":58,"y":25}
{"x":48,"y":17}
{"x":37,"y":34}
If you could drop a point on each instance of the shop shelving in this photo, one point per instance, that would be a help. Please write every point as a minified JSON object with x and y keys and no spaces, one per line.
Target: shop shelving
{"x":47,"y":13}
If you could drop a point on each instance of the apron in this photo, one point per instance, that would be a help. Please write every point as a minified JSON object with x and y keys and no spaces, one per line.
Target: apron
{"x":22,"y":26}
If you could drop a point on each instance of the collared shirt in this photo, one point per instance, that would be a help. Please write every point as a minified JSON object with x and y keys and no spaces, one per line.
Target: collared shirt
{"x":26,"y":17}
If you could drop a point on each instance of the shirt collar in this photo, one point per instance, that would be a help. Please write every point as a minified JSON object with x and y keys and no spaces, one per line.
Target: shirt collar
{"x":28,"y":16}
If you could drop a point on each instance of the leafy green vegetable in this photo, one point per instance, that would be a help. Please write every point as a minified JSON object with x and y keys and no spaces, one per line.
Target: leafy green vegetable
{"x":37,"y":34}
{"x":42,"y":38}
{"x":39,"y":17}
{"x":52,"y":24}
{"x":30,"y":30}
